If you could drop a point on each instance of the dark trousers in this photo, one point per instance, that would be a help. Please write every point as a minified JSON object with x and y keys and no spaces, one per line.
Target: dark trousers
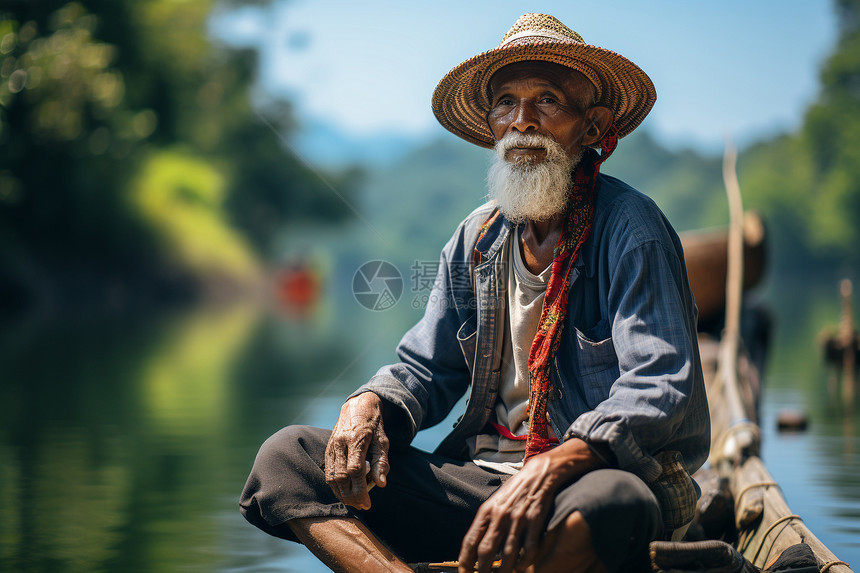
{"x":430,"y":501}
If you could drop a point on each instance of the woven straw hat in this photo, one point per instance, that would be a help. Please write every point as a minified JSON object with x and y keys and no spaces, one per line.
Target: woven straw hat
{"x":462,"y":99}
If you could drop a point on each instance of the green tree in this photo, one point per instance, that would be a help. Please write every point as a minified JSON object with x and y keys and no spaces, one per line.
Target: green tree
{"x":100,"y":102}
{"x":832,"y":133}
{"x":808,"y":183}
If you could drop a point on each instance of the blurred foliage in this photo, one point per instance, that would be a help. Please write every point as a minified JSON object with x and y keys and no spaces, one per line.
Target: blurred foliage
{"x":131,"y":157}
{"x":687,"y":185}
{"x":133,"y":160}
{"x":182,"y":195}
{"x":808,"y":183}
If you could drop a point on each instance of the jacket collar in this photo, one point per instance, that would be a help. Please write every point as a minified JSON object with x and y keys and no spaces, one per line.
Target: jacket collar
{"x":496,"y":235}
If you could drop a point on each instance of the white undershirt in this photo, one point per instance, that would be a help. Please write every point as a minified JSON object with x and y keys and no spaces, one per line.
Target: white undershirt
{"x":525,"y":294}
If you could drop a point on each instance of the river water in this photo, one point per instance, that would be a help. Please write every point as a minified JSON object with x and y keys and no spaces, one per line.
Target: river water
{"x":125,"y":440}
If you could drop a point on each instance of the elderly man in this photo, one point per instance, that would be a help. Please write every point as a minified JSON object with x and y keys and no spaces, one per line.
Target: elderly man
{"x":572,"y":328}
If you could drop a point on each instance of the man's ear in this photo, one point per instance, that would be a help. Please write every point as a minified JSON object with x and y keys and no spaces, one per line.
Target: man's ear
{"x":598,"y":119}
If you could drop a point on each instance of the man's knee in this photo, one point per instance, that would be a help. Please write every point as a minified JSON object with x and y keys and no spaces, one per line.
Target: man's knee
{"x":289,"y":461}
{"x":620,"y":512}
{"x":292,"y":442}
{"x":289,"y":446}
{"x":569,"y":547}
{"x":621,"y":496}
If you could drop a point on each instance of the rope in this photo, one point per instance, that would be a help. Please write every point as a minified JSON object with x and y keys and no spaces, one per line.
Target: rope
{"x":826,"y":567}
{"x":771,"y":528}
{"x":735,"y":428}
{"x":740,"y":495}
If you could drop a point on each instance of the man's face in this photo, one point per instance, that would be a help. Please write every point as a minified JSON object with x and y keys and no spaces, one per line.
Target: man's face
{"x":539,"y":98}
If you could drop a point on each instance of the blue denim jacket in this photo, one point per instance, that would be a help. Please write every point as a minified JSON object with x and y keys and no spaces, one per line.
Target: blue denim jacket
{"x":627,"y":375}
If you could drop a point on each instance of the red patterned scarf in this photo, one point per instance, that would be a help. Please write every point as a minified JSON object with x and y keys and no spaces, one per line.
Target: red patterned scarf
{"x":580,"y":214}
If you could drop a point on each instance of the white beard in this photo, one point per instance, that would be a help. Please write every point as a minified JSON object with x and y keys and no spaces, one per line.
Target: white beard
{"x":527,"y":191}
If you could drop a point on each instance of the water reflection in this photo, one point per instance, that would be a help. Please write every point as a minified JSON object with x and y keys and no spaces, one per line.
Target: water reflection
{"x":124,"y":442}
{"x":816,"y":470}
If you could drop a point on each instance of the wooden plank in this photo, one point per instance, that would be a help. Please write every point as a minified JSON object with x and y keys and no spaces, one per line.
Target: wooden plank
{"x":777,"y":528}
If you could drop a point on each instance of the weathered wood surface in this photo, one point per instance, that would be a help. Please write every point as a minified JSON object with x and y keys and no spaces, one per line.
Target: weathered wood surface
{"x":765,"y":524}
{"x":729,"y":421}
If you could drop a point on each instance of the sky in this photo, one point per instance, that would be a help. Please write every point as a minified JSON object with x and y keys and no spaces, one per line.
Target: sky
{"x":739,"y":67}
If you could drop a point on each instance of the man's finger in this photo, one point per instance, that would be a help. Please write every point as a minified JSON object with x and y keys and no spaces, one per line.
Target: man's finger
{"x":354,"y":492}
{"x":335,"y":467}
{"x":358,"y":498}
{"x":379,"y":471}
{"x":379,"y":457}
{"x":482,"y":541}
{"x":531,"y":541}
{"x":358,"y":484}
{"x":511,"y":548}
{"x":488,"y":548}
{"x":469,"y":550}
{"x":356,"y":464}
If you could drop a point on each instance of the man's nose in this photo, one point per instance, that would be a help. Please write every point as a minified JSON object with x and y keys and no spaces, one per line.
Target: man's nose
{"x":525,"y":117}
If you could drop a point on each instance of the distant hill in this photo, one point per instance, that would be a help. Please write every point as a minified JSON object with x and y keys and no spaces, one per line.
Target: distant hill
{"x":686,"y":184}
{"x":326,"y":146}
{"x":417,"y":202}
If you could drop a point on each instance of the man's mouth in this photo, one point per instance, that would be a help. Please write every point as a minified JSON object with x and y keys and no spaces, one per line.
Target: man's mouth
{"x":525,"y":153}
{"x":527,"y":149}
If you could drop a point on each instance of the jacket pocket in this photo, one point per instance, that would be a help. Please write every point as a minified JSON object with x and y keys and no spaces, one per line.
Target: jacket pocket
{"x":467,"y":336}
{"x":597,"y":365}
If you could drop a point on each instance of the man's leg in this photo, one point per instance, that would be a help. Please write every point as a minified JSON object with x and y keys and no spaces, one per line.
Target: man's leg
{"x":286,"y":496}
{"x":346,"y":545}
{"x":287,"y":482}
{"x":602,"y":522}
{"x":569,"y":548}
{"x":421,"y":515}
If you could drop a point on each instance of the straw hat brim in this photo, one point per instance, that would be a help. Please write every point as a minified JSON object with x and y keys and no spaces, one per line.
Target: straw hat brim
{"x":461,"y":101}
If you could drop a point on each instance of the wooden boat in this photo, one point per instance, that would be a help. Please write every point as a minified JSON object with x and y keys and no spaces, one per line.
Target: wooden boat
{"x":740,"y":503}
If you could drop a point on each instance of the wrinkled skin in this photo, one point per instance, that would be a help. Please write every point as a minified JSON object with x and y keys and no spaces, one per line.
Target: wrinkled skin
{"x":549,"y":99}
{"x":358,"y":438}
{"x":511,"y":523}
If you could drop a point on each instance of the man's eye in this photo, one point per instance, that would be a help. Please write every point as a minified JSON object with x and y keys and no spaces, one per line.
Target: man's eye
{"x":547,"y":100}
{"x":505,"y":102}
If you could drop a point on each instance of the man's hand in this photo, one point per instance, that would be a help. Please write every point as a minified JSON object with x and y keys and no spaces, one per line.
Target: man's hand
{"x":357,"y":439}
{"x":512,"y":521}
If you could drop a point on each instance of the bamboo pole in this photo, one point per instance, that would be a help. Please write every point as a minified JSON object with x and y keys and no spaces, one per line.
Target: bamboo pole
{"x":741,"y":438}
{"x":846,"y":340}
